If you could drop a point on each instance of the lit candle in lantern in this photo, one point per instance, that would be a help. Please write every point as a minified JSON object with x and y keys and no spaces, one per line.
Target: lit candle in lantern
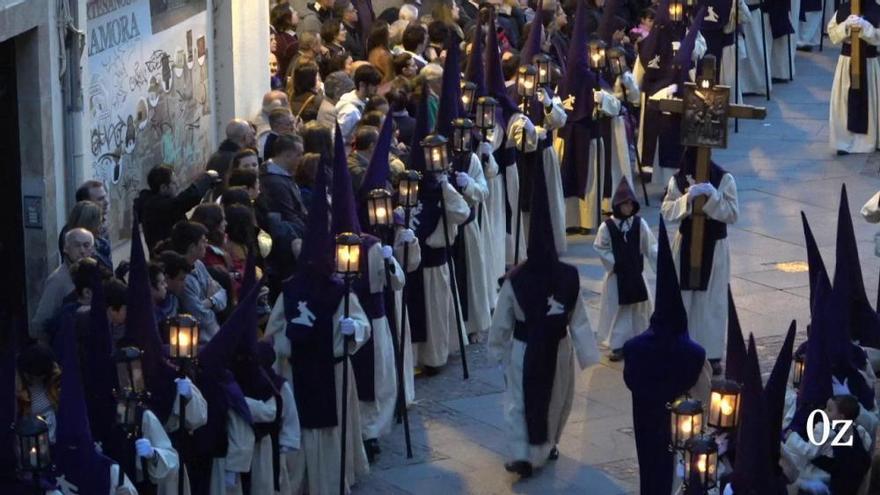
{"x":33,"y":457}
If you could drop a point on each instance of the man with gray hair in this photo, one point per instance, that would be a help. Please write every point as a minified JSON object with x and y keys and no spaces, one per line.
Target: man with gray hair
{"x":239,"y":135}
{"x":337,"y":84}
{"x":271,"y":100}
{"x":78,"y":244}
{"x":280,"y":122}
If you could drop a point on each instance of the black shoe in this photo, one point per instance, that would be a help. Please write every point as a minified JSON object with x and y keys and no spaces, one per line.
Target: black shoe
{"x":573,"y":231}
{"x":805,"y":48}
{"x":842,"y":153}
{"x":372,"y":444}
{"x":554,"y":454}
{"x":586,"y":231}
{"x":716,"y":366}
{"x":371,"y":454}
{"x":430,"y":370}
{"x":522,"y":468}
{"x":616,"y":355}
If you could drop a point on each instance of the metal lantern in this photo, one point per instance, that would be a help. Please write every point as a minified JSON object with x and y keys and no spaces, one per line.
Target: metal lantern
{"x":408,"y":188}
{"x":676,"y":10}
{"x":435,"y":153}
{"x":468,"y":96}
{"x":724,"y":404}
{"x":800,"y":365}
{"x":616,"y":58}
{"x":183,"y":336}
{"x":129,"y":370}
{"x":348,"y":254}
{"x":706,"y":78}
{"x":596,"y":50}
{"x":687,"y":420}
{"x":379,"y":208}
{"x":127,"y":413}
{"x":485,"y":113}
{"x":462,"y":133}
{"x":33,"y":444}
{"x":542,"y":63}
{"x":700,"y":464}
{"x":526,"y":81}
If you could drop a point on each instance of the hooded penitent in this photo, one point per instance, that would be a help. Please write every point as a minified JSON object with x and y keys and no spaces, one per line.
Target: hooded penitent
{"x":378,"y":174}
{"x":864,"y":324}
{"x":141,"y":330}
{"x":450,"y":107}
{"x":627,"y":246}
{"x":661,"y":364}
{"x":817,"y":273}
{"x":99,"y":370}
{"x":735,"y":360}
{"x":495,"y":77}
{"x":753,"y":472}
{"x":475,"y":71}
{"x":547,"y":290}
{"x":531,"y":48}
{"x":344,"y":219}
{"x":774,"y":398}
{"x":74,"y":453}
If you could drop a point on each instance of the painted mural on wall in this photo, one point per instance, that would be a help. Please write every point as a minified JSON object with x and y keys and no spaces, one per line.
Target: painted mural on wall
{"x":147,"y":97}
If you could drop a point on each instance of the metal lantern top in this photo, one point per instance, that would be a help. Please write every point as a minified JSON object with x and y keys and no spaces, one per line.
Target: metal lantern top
{"x":724,"y":404}
{"x":616,"y":59}
{"x":380,"y":208}
{"x":676,"y":10}
{"x":596,"y":50}
{"x":701,"y":463}
{"x":543,"y":63}
{"x":468,"y":96}
{"x":526,"y":81}
{"x":33,"y":452}
{"x":435,"y":153}
{"x":348,"y":254}
{"x":485,"y":112}
{"x":462,"y":132}
{"x":408,"y":188}
{"x":686,"y":420}
{"x":800,"y":365}
{"x":183,"y":336}
{"x":129,"y":370}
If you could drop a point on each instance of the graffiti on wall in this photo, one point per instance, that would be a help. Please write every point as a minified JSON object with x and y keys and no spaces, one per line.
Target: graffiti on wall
{"x":147,"y":98}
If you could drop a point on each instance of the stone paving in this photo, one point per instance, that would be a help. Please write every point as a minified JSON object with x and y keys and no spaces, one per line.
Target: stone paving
{"x":783,"y":165}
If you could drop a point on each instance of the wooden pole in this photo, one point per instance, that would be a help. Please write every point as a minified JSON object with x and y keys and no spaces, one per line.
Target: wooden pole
{"x":855,"y":57}
{"x":698,"y":219}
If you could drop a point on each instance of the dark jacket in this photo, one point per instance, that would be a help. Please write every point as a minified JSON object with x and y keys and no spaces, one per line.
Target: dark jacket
{"x":281,"y":195}
{"x":222,"y":158}
{"x":357,"y":167}
{"x":406,"y":126}
{"x":354,"y":42}
{"x":159,"y":213}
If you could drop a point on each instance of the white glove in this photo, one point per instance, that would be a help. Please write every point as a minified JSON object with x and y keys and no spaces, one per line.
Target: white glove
{"x":347,"y":326}
{"x":598,"y":96}
{"x":723,"y":443}
{"x":665,"y":93}
{"x":838,"y":388}
{"x":442,"y":178}
{"x":865,"y":25}
{"x":486,"y":148}
{"x":407,"y":236}
{"x":184,"y":387}
{"x":628,"y":80}
{"x":852,"y":20}
{"x":679,"y":469}
{"x":387,"y":252}
{"x":144,"y":448}
{"x":728,"y":489}
{"x":230,"y":479}
{"x":815,"y":487}
{"x":544,"y":98}
{"x":284,"y":449}
{"x":462,"y":179}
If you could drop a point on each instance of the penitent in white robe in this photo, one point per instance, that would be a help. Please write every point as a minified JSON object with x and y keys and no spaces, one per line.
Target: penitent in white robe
{"x":376,"y":416}
{"x":554,"y":118}
{"x":503,"y":348}
{"x":840,"y":138}
{"x":617,"y":323}
{"x":196,"y":417}
{"x":164,"y":468}
{"x":439,"y":307}
{"x":475,"y":194}
{"x":289,"y":439}
{"x":515,"y":128}
{"x":261,"y":463}
{"x":239,"y":455}
{"x":755,"y":65}
{"x":811,"y":29}
{"x":782,"y":62}
{"x":314,"y":468}
{"x":707,"y":310}
{"x":414,"y":259}
{"x":871,"y":210}
{"x":491,"y":220}
{"x":584,"y":212}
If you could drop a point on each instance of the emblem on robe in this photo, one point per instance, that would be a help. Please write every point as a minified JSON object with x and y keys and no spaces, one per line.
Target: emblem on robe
{"x":414,"y":216}
{"x":556,"y":308}
{"x":568,"y":103}
{"x":711,"y":15}
{"x":654,"y":63}
{"x":306,"y":318}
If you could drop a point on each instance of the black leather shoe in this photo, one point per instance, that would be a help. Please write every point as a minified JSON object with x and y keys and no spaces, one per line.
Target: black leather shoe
{"x":554,"y":454}
{"x":522,"y":468}
{"x":430,"y":370}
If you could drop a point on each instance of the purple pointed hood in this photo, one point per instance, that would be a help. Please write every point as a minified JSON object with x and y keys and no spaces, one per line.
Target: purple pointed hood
{"x":450,"y":107}
{"x":609,"y":21}
{"x":475,"y":71}
{"x":735,"y":360}
{"x":141,"y":328}
{"x":378,"y":172}
{"x":100,"y":371}
{"x":422,"y":129}
{"x":317,"y":253}
{"x":344,"y":214}
{"x":753,"y":473}
{"x":495,"y":76}
{"x":578,"y":81}
{"x":684,"y":58}
{"x":669,"y":316}
{"x":774,"y":395}
{"x":817,"y":272}
{"x":532,"y":46}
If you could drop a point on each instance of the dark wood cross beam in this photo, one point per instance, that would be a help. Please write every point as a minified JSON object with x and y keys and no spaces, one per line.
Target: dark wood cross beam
{"x":705,"y":109}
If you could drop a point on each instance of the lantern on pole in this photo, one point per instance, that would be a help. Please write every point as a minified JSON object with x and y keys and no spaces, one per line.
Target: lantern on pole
{"x":701,"y":464}
{"x":542,"y":63}
{"x":462,"y":133}
{"x":596,"y":51}
{"x":616,"y":59}
{"x":526,"y":81}
{"x":129,"y":371}
{"x":686,"y":421}
{"x":676,"y":10}
{"x":348,"y":254}
{"x":800,"y":365}
{"x":32,"y":433}
{"x":485,"y":114}
{"x":468,"y":97}
{"x":435,"y":153}
{"x":183,"y":337}
{"x":380,"y":208}
{"x":724,"y":404}
{"x":408,"y":189}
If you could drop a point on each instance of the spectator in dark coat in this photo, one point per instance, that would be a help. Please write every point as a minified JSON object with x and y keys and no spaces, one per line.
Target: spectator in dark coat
{"x":161,"y":206}
{"x":239,"y":135}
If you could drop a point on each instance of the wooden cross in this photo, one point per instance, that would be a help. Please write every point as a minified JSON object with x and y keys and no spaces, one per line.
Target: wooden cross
{"x":705,"y":110}
{"x":855,"y":54}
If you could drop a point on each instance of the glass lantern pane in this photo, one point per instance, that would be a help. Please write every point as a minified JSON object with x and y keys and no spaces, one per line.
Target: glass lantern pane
{"x":123,"y":374}
{"x":137,"y":375}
